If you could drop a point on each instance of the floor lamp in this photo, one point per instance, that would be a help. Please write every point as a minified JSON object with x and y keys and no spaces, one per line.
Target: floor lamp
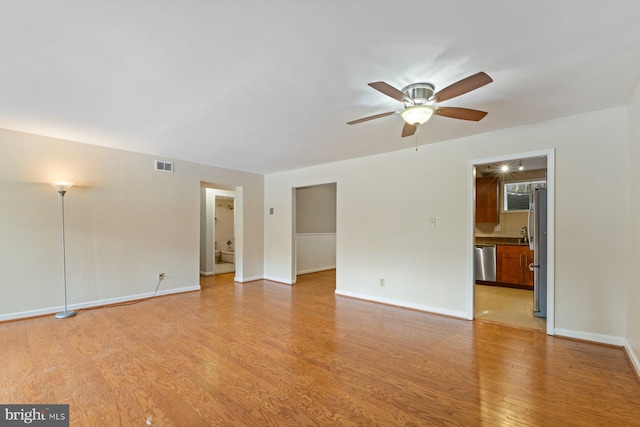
{"x":62,"y":188}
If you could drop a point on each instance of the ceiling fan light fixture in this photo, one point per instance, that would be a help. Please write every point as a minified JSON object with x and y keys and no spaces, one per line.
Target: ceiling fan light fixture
{"x":418,"y":114}
{"x":421,"y":102}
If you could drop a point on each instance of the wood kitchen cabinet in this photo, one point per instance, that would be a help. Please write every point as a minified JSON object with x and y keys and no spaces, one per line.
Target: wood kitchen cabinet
{"x":512,"y":265}
{"x":487,"y":200}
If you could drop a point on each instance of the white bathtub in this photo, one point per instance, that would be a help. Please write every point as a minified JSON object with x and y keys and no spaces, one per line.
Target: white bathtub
{"x":227,"y":256}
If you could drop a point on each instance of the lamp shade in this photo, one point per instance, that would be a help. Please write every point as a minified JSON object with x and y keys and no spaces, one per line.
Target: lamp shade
{"x":418,"y":114}
{"x":62,"y":185}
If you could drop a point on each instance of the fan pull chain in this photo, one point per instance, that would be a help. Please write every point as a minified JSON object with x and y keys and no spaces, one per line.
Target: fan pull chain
{"x":416,"y":134}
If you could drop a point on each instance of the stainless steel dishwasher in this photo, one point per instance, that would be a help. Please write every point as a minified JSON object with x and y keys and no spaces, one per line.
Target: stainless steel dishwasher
{"x":484,"y":263}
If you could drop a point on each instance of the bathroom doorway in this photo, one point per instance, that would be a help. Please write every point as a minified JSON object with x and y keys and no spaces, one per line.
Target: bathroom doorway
{"x":218,"y":225}
{"x":223,"y":235}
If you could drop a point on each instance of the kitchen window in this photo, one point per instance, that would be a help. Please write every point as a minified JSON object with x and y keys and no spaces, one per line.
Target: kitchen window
{"x":516,"y":195}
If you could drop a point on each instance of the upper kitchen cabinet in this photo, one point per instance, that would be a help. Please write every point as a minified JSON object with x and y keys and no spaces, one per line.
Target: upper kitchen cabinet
{"x":487,"y":210}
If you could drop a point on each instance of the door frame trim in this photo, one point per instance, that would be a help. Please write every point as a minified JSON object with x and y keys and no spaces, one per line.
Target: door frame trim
{"x":551,"y":172}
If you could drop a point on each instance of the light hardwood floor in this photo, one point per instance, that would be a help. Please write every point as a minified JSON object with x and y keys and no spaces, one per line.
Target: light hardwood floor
{"x":507,"y":305}
{"x":268,"y":354}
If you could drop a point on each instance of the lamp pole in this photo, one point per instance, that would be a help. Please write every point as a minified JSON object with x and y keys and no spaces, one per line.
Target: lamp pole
{"x":62,"y":188}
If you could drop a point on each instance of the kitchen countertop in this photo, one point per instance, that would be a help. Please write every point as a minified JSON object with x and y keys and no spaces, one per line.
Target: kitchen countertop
{"x":514,"y":241}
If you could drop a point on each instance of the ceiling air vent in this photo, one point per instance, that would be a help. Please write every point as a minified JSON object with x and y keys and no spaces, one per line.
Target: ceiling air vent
{"x":162,"y":166}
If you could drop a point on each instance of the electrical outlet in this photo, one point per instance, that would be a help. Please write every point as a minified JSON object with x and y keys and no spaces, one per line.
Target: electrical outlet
{"x":160,"y":276}
{"x":382,"y":283}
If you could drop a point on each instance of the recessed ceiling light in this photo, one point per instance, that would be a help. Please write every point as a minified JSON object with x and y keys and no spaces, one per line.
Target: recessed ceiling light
{"x":504,"y":168}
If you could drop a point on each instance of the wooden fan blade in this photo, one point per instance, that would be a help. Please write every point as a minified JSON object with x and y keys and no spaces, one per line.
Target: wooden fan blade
{"x":463,"y":86}
{"x":460,"y":113}
{"x":366,"y":119}
{"x":388,"y":90}
{"x":408,"y":130}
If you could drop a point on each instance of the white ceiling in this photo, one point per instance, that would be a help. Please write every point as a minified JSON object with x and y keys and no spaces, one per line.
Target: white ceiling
{"x":265,"y":86}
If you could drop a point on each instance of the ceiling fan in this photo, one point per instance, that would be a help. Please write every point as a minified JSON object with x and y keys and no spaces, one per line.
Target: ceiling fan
{"x":420,"y":102}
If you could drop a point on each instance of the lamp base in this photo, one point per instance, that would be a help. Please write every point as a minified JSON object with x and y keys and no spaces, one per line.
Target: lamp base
{"x":65,"y":314}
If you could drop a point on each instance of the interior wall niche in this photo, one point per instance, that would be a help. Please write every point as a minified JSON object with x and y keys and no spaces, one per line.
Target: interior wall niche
{"x":316,"y":209}
{"x":315,"y":226}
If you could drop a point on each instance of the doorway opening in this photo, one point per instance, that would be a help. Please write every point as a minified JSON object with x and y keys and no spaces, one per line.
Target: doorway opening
{"x":512,"y":265}
{"x":314,"y":228}
{"x":218,"y":230}
{"x":224,"y":234}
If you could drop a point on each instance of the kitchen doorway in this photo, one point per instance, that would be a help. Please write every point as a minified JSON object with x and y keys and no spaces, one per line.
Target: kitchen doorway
{"x":505,"y":242}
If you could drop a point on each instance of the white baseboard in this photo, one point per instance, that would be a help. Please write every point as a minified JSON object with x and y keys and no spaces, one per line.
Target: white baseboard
{"x":635,"y":363}
{"x":246,"y":279}
{"x":404,"y":304}
{"x":280,"y":280}
{"x":207,"y":273}
{"x":587,"y":336}
{"x":97,"y":303}
{"x":605,"y":339}
{"x":315,"y":270}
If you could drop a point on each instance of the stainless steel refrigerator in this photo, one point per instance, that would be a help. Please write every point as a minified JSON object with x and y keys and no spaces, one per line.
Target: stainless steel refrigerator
{"x":537,"y":226}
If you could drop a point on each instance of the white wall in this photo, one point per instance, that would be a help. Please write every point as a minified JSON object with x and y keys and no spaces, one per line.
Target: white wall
{"x":633,"y":319}
{"x":316,"y":209}
{"x":125,"y":223}
{"x":428,"y":267}
{"x":315,"y":252}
